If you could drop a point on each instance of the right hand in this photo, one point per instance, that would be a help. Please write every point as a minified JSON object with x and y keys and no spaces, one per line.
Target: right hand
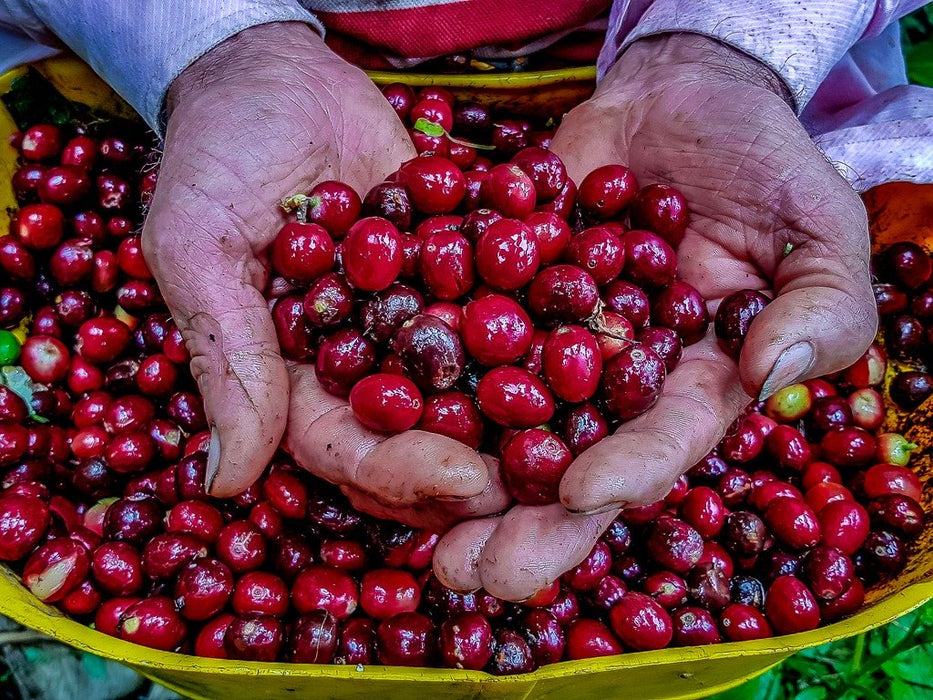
{"x":266,"y":114}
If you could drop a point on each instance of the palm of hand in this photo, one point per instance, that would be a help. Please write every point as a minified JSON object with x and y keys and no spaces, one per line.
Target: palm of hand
{"x":268,"y":129}
{"x":237,"y":142}
{"x":767,"y":212}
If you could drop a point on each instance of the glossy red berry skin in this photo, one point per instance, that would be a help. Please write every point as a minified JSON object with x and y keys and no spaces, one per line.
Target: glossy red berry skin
{"x":343,"y":358}
{"x":496,"y":330}
{"x":302,"y":252}
{"x":553,"y":234}
{"x":629,"y":300}
{"x":563,"y":293}
{"x":507,"y":255}
{"x":446,"y":264}
{"x":435,"y":184}
{"x":41,"y":142}
{"x":533,"y":463}
{"x":662,"y":209}
{"x":44,"y":358}
{"x":703,"y":509}
{"x":572,"y":363}
{"x":681,"y":307}
{"x":887,"y":479}
{"x":23,"y":522}
{"x":153,"y":622}
{"x":598,"y":251}
{"x":333,"y":205}
{"x":607,"y":191}
{"x":907,"y":263}
{"x":292,"y":328}
{"x":583,"y":426}
{"x":387,"y":403}
{"x":793,"y":522}
{"x":790,"y":606}
{"x":587,"y":639}
{"x":203,"y":588}
{"x":385,"y":593}
{"x":454,"y":414}
{"x":102,"y":340}
{"x":325,"y":588}
{"x":848,"y":447}
{"x":508,"y":190}
{"x":734,"y":318}
{"x":117,"y":568}
{"x":631,"y":382}
{"x":254,"y":637}
{"x":408,"y":639}
{"x":741,"y":623}
{"x":514,"y":397}
{"x":465,"y":641}
{"x":210,"y":640}
{"x":641,"y":623}
{"x":80,"y":152}
{"x":260,"y":592}
{"x":241,"y":546}
{"x":39,"y":226}
{"x":372,"y":254}
{"x":546,"y":170}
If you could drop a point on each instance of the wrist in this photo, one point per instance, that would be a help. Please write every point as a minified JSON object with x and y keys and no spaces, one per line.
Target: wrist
{"x":253,"y":50}
{"x":687,"y":56}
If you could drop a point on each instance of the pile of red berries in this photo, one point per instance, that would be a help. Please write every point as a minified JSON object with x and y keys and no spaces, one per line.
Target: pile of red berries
{"x":904,"y":294}
{"x":102,"y":434}
{"x":483,"y":301}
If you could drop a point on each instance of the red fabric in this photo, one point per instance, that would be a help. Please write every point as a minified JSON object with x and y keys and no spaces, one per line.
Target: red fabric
{"x":447,"y":28}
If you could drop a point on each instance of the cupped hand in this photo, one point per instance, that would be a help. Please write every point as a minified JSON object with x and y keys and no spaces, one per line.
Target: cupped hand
{"x":768,"y":212}
{"x":266,"y":114}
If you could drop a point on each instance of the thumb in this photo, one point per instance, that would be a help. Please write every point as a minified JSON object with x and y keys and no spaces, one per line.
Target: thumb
{"x":824,"y":315}
{"x":210,"y":279}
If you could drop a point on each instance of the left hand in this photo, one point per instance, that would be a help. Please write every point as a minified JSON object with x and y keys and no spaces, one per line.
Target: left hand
{"x":693,"y":113}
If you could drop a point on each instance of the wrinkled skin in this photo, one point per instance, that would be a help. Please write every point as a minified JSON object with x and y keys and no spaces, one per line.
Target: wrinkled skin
{"x":687,"y":111}
{"x":272,"y":111}
{"x":266,"y":114}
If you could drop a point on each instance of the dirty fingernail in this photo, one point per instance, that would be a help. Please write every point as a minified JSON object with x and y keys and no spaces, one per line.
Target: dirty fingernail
{"x":618,"y":505}
{"x":790,"y":366}
{"x":213,"y":459}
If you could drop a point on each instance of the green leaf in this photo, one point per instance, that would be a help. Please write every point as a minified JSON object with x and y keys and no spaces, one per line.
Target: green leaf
{"x":20,"y":383}
{"x":814,"y":692}
{"x":914,"y":664}
{"x":906,"y":691}
{"x":32,"y":100}
{"x":765,"y":687}
{"x":429,"y":128}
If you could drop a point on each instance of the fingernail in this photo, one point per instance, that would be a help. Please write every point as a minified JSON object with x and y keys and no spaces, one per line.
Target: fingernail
{"x":790,"y":366}
{"x":453,"y":499}
{"x":213,"y":459}
{"x":601,"y":509}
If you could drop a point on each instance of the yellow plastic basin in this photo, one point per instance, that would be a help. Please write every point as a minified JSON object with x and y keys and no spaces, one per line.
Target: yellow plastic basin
{"x":670,"y":673}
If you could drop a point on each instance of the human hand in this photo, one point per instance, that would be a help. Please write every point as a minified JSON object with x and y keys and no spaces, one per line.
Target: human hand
{"x":767,"y":212}
{"x":266,"y":114}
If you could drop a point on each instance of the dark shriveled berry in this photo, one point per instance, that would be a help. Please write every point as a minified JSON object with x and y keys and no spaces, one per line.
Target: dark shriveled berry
{"x":734,"y":317}
{"x":431,"y":352}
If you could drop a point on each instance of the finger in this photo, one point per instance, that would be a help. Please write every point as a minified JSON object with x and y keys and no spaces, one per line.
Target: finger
{"x":401,"y":470}
{"x":210,"y":280}
{"x":457,"y":554}
{"x":434,"y":515}
{"x":516,"y":555}
{"x":824,"y":315}
{"x":640,"y":462}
